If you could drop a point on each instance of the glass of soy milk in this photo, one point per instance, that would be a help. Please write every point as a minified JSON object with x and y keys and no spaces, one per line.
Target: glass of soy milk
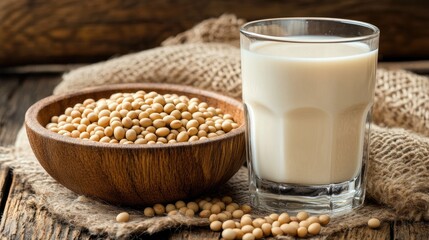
{"x":308,"y":88}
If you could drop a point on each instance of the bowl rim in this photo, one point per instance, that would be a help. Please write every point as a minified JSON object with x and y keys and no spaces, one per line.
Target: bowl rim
{"x":32,"y":113}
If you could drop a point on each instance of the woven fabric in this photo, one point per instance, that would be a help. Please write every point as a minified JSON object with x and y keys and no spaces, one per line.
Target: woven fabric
{"x":211,"y":66}
{"x":207,"y":57}
{"x":402,"y":100}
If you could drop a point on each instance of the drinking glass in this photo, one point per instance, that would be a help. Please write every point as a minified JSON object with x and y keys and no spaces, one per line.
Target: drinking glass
{"x":308,"y":87}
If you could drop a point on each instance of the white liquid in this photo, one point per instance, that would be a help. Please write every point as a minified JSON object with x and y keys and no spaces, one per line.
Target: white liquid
{"x":307,"y":106}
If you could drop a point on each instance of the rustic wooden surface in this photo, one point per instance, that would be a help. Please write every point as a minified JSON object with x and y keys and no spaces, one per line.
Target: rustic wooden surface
{"x":51,"y":31}
{"x":22,"y":219}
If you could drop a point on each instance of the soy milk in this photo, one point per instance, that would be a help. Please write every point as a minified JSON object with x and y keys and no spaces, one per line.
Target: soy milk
{"x":307,"y":106}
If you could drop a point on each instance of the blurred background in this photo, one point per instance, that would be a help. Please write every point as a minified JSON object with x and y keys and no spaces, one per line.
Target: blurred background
{"x":76,"y":31}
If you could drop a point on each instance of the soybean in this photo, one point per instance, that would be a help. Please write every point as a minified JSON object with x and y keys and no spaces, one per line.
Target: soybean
{"x":374,"y":223}
{"x":123,"y":217}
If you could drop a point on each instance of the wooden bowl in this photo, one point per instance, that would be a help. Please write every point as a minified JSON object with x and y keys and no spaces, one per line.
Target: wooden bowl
{"x":136,"y":175}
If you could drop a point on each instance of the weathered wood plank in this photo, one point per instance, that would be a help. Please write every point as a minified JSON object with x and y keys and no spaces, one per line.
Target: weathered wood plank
{"x":8,"y":88}
{"x":23,"y":219}
{"x":16,"y":96}
{"x":5,"y":182}
{"x":50,"y":31}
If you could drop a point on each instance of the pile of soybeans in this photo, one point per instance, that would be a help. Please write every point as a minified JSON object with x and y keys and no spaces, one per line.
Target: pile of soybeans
{"x":142,"y":118}
{"x":235,"y":222}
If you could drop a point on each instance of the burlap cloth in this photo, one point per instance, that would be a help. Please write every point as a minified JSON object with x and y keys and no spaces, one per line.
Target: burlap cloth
{"x":207,"y":56}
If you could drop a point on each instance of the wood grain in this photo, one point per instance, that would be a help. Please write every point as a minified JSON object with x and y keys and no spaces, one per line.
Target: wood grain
{"x":50,"y":31}
{"x":24,"y":220}
{"x":134,"y":174}
{"x":17,"y":93}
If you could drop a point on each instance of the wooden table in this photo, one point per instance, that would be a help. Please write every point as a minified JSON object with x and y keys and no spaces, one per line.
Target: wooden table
{"x":21,"y":87}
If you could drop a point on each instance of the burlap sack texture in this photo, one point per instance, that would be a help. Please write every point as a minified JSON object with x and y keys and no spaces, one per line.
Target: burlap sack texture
{"x":399,"y":158}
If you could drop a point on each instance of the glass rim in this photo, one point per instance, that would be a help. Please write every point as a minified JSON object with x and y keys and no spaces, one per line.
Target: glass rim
{"x":250,"y":34}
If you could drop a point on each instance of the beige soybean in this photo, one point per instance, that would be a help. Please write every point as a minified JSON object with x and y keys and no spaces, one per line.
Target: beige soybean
{"x":229,"y":234}
{"x":246,"y":208}
{"x":276,"y":231}
{"x":159,"y":209}
{"x":207,"y":206}
{"x":119,"y":133}
{"x":274,"y":216}
{"x":374,"y":223}
{"x":179,"y":204}
{"x":221,"y":205}
{"x":216,"y":226}
{"x":237,"y":214}
{"x":131,"y":135}
{"x":193,"y":205}
{"x":162,"y":131}
{"x":228,"y":224}
{"x":314,"y":228}
{"x":201,"y":203}
{"x":268,"y":220}
{"x":238,"y":233}
{"x":247,"y":228}
{"x":258,"y":233}
{"x":295,"y":224}
{"x":234,"y":206}
{"x":324,"y":219}
{"x":305,"y":223}
{"x":170,"y":207}
{"x":228,"y":214}
{"x":123,"y":217}
{"x":266,"y":228}
{"x":223,"y":217}
{"x":302,"y":232}
{"x":246,"y":221}
{"x":149,"y":212}
{"x":312,"y":219}
{"x":182,"y":137}
{"x":257,"y":223}
{"x":205,"y":213}
{"x":189,"y":213}
{"x":289,"y":229}
{"x":248,"y":236}
{"x":302,"y":216}
{"x":213,"y":218}
{"x":283,"y":218}
{"x":276,"y":224}
{"x":215,"y":209}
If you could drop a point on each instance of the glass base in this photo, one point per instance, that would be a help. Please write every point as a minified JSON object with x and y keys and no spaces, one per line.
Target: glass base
{"x":332,"y":199}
